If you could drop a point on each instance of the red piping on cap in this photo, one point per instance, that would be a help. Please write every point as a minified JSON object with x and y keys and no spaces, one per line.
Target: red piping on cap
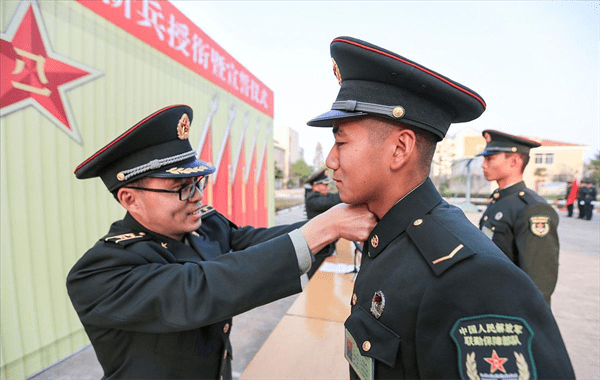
{"x":125,"y":134}
{"x":415,"y":66}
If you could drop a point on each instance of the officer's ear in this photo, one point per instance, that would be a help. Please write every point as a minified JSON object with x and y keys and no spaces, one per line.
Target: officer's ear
{"x":405,"y":147}
{"x":127,"y":198}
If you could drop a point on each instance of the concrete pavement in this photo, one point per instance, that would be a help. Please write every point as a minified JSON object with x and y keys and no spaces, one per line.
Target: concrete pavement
{"x":575,"y":304}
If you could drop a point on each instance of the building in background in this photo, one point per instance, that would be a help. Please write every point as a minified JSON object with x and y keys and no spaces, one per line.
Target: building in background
{"x":551,"y":165}
{"x":75,"y":74}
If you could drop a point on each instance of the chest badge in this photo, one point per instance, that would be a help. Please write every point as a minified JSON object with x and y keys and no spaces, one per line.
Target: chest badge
{"x":375,"y":241}
{"x":377,"y":304}
{"x":499,"y":215}
{"x":540,"y":225}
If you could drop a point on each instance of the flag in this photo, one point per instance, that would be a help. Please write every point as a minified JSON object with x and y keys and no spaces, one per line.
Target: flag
{"x":572,"y":197}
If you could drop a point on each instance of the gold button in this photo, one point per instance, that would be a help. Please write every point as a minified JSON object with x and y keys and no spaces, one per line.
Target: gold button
{"x":493,"y":228}
{"x":354,"y":298}
{"x":522,"y":193}
{"x":121,"y":176}
{"x":496,"y":195}
{"x":398,"y":112}
{"x":375,"y":241}
{"x":417,"y":222}
{"x":225,"y":355}
{"x":485,"y":218}
{"x":226,"y":328}
{"x":366,"y":345}
{"x":514,"y":149}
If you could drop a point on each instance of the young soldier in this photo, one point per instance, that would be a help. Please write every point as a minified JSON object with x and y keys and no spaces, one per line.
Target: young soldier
{"x":156,"y":295}
{"x":434,"y":298}
{"x":520,"y":222}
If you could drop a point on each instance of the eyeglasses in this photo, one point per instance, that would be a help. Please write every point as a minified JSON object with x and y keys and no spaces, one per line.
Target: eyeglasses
{"x":185,"y":192}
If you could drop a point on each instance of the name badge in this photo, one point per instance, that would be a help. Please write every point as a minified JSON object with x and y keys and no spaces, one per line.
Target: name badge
{"x":362,"y":365}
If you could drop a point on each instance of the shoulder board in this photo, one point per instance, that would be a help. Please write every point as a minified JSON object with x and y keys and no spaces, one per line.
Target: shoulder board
{"x":438,"y":245}
{"x":126,"y":239}
{"x":207,"y":210}
{"x":529,"y":197}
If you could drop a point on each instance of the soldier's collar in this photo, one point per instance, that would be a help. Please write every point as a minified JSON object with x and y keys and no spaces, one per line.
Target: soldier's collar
{"x":414,"y":205}
{"x":512,"y":189}
{"x":130,"y":222}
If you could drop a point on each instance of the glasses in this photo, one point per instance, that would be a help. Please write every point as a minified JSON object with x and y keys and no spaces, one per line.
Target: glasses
{"x":185,"y":192}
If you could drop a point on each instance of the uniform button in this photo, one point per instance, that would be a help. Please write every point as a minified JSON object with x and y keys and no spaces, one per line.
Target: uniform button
{"x":417,"y":222}
{"x":366,"y":345}
{"x":493,"y":228}
{"x":485,"y":218}
{"x":496,"y":195}
{"x":375,"y":241}
{"x":522,"y":193}
{"x":354,"y":298}
{"x":226,"y":328}
{"x":225,"y":355}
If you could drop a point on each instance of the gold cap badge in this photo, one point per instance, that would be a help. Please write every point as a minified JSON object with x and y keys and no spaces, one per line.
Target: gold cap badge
{"x":183,"y":127}
{"x":336,"y":71}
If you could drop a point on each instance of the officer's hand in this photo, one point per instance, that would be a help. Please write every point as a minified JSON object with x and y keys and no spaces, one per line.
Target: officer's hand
{"x":350,"y":222}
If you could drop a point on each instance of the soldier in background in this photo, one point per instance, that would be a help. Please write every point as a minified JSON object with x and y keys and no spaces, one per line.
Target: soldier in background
{"x":318,"y":200}
{"x":589,"y":196}
{"x":521,"y":223}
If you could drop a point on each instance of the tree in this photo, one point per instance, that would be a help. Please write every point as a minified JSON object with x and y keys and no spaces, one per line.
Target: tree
{"x":278,"y":172}
{"x":594,"y":169}
{"x":301,"y":170}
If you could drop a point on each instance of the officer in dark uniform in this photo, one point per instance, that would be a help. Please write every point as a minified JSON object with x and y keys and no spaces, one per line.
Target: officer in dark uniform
{"x":317,"y":201}
{"x":520,"y":222}
{"x":589,"y":196}
{"x":581,"y":195}
{"x":434,"y":298}
{"x":156,"y":294}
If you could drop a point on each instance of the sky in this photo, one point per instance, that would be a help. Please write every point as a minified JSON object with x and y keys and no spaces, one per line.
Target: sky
{"x":534,"y":63}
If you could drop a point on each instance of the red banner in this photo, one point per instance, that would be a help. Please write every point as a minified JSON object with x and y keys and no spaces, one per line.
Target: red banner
{"x":161,"y":25}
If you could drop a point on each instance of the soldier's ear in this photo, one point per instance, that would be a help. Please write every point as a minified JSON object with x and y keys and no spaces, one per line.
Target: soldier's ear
{"x":405,"y":147}
{"x":127,"y":198}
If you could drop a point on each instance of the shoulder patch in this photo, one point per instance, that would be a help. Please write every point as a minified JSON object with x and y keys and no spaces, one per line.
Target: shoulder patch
{"x":206,"y":211}
{"x":126,"y":239}
{"x":539,"y":225}
{"x":494,"y":347}
{"x":438,"y":245}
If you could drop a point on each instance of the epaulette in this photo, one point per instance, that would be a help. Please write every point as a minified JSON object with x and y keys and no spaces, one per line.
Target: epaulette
{"x":126,"y":239}
{"x":438,"y":245}
{"x":207,"y":210}
{"x":528,"y":197}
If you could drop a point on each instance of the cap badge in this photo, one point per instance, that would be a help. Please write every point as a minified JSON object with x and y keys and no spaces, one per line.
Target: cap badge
{"x":487,"y":137}
{"x":498,"y":215}
{"x":183,"y":127}
{"x":377,"y":304}
{"x":336,"y":71}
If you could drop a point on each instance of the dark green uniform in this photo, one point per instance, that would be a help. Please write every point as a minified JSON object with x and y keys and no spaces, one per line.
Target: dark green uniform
{"x":158,"y":308}
{"x":435,"y":299}
{"x":317,"y":203}
{"x":524,"y":226}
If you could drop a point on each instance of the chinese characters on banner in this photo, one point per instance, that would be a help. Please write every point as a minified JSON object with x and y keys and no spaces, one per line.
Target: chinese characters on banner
{"x":163,"y":26}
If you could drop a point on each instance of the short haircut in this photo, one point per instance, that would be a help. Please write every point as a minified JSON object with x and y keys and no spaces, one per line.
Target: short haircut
{"x":524,"y":158}
{"x":425,"y":142}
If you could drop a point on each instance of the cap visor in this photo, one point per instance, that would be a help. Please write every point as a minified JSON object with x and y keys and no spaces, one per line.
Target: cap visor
{"x":193,"y":169}
{"x":326,"y":119}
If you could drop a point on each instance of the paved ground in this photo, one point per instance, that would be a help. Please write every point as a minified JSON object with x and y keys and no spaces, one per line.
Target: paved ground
{"x":575,"y":303}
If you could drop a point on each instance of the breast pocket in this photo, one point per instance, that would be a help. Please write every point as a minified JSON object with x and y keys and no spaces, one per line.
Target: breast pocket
{"x":374,"y":339}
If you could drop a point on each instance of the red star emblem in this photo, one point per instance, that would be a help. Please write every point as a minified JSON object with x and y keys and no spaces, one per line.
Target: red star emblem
{"x":496,"y":363}
{"x":34,"y":75}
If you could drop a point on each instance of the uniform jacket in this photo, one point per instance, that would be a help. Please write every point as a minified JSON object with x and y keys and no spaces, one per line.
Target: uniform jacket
{"x":524,"y":226}
{"x":436,"y":299}
{"x":317,"y":203}
{"x":158,"y":308}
